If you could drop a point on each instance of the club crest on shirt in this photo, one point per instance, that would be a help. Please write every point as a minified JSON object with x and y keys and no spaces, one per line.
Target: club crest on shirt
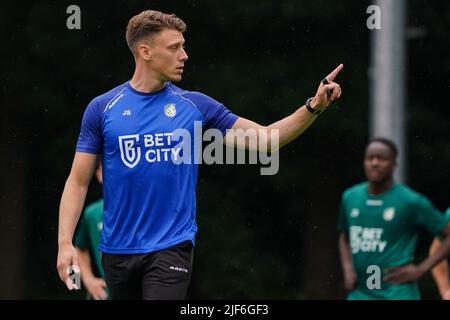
{"x":354,"y":213}
{"x":389,"y":214}
{"x":170,"y":110}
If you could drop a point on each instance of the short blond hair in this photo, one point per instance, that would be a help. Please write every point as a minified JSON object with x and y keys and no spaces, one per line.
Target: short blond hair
{"x":149,"y":22}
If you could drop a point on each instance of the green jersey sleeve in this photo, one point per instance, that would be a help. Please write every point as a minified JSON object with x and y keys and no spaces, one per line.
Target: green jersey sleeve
{"x":81,"y":239}
{"x":447,"y":215}
{"x":428,"y":216}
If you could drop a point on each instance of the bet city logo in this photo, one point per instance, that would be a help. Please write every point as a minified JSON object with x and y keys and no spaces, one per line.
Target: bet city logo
{"x":180,"y":147}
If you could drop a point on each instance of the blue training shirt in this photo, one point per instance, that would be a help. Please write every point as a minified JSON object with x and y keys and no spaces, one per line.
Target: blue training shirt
{"x":149,"y":201}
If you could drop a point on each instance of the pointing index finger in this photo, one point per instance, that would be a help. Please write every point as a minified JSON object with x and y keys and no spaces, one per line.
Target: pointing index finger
{"x":334,"y":73}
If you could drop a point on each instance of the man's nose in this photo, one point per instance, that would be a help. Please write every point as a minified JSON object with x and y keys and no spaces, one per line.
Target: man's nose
{"x":184,"y":55}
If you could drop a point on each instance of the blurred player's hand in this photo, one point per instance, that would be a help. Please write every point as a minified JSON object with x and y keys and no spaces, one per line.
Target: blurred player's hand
{"x":67,"y":259}
{"x":445,"y":295}
{"x":350,"y":279}
{"x":96,"y":287}
{"x":328,"y":90}
{"x":402,"y":274}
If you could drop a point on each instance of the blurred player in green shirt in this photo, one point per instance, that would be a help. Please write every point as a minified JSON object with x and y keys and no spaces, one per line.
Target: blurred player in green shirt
{"x":440,"y":272}
{"x":86,"y":242}
{"x":379,"y":223}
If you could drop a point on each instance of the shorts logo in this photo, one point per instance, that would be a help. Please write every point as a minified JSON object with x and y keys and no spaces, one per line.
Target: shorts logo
{"x":178,"y":269}
{"x":170,"y":110}
{"x":389,"y":214}
{"x":129,"y":152}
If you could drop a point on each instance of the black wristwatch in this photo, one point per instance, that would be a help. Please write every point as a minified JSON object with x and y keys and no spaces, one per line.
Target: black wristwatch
{"x":311,"y":109}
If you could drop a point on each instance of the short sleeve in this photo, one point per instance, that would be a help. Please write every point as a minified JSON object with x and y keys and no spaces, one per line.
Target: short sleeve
{"x":447,"y":215}
{"x":81,"y":239}
{"x":90,"y":139}
{"x":428,"y":216}
{"x":215,"y":114}
{"x":342,"y":224}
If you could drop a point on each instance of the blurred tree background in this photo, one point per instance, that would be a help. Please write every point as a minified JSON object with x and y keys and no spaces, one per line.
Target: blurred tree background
{"x":260,"y":237}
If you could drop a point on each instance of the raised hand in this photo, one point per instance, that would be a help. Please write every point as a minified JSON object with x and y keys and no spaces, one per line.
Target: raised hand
{"x":328,"y":90}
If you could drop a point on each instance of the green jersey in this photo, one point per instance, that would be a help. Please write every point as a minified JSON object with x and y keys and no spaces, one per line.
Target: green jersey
{"x":88,"y":234}
{"x":447,"y":217}
{"x":383,"y":231}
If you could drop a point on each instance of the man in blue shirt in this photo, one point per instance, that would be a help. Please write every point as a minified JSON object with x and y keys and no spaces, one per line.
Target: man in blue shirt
{"x":149,"y":222}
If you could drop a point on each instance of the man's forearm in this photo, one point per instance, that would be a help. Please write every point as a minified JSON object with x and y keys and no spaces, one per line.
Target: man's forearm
{"x":72,"y":201}
{"x":440,"y":253}
{"x":345,"y":254}
{"x":441,"y":276}
{"x":440,"y":271}
{"x":247,"y":134}
{"x":292,"y":126}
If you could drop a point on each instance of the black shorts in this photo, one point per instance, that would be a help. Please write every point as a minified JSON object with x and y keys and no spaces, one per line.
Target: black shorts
{"x":161,"y":274}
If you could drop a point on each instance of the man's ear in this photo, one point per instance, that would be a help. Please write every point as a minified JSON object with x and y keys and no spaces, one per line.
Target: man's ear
{"x":144,"y":51}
